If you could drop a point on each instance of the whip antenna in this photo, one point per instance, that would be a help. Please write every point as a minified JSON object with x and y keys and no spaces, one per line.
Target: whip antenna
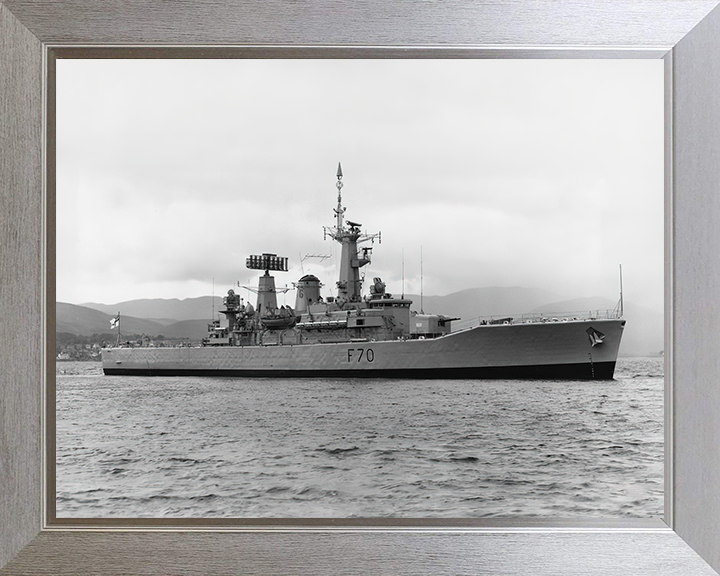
{"x":421,"y":283}
{"x":621,"y":293}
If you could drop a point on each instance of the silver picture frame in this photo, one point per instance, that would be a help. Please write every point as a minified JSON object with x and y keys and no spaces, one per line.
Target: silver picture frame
{"x":686,"y":34}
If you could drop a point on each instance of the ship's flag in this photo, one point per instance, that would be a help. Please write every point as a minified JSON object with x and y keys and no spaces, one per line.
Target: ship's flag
{"x":115,"y":322}
{"x":595,"y":336}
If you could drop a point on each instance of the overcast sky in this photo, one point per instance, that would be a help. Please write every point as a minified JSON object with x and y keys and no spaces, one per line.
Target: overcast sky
{"x":535,"y":173}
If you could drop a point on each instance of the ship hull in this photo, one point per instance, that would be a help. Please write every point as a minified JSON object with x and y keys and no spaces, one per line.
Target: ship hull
{"x":552,"y":350}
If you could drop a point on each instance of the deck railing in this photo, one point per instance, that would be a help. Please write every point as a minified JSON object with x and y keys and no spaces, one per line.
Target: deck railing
{"x":535,"y":318}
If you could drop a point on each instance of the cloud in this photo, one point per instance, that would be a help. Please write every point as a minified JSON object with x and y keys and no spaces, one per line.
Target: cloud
{"x":535,"y":173}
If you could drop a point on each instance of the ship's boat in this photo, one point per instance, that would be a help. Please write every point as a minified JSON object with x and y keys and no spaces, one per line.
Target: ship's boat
{"x":374,"y":335}
{"x":282,"y":318}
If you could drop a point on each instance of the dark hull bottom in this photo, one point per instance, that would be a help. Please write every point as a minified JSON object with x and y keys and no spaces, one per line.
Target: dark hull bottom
{"x":584,"y":371}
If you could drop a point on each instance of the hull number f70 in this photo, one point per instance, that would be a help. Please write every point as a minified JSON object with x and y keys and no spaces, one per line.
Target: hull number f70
{"x":360,"y":354}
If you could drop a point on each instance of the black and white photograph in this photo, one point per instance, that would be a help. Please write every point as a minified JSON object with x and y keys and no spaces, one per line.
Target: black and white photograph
{"x":359,"y":288}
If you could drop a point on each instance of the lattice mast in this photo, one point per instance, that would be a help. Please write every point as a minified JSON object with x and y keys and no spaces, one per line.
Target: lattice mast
{"x":349,"y":282}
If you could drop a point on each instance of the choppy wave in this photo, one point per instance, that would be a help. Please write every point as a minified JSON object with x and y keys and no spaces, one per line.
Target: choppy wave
{"x":206,"y":447}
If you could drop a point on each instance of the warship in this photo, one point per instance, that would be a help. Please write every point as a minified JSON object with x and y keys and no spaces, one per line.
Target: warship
{"x":376,"y":335}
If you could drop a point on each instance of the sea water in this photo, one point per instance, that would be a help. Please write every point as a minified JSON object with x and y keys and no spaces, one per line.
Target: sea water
{"x":134,"y":446}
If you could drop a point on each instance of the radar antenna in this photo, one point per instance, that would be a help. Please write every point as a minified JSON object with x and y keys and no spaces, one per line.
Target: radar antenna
{"x":266,"y":290}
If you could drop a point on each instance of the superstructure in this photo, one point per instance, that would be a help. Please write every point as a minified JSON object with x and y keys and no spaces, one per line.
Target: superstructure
{"x":374,"y":335}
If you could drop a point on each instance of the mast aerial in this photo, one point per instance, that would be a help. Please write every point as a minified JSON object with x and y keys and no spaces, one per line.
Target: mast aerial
{"x":339,"y":211}
{"x":621,"y":294}
{"x":349,"y":283}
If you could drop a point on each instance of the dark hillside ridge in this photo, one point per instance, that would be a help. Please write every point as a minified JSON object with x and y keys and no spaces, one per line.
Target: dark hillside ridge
{"x":162,"y":310}
{"x":86,"y":322}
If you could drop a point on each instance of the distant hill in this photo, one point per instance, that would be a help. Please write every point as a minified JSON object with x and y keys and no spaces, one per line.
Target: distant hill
{"x":165,"y":311}
{"x":491,"y":301}
{"x":466,"y":303}
{"x":579,"y":305}
{"x":192,"y":329}
{"x":86,"y":322}
{"x":644,"y":333}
